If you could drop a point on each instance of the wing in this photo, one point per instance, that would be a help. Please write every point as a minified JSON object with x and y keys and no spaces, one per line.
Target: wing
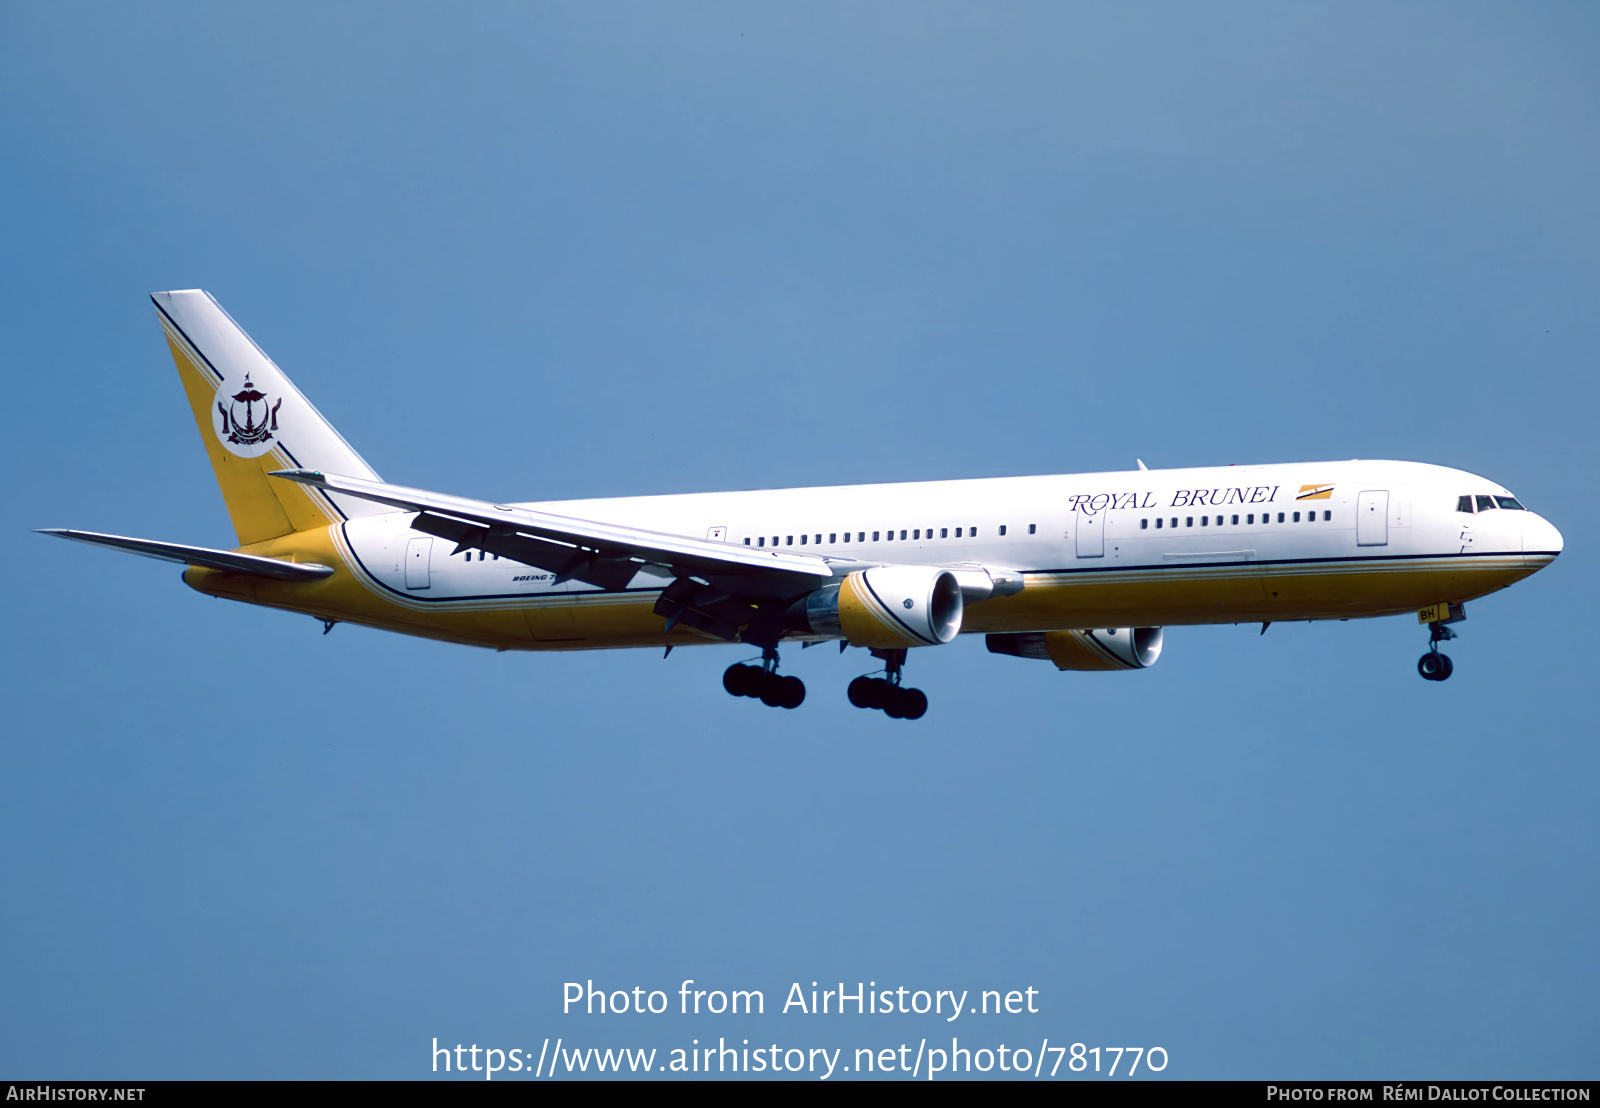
{"x":725,"y":589}
{"x":604,"y":554}
{"x":249,"y":564}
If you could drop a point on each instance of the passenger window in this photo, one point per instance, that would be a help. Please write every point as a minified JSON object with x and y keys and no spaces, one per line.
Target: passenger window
{"x":1297,"y":517}
{"x":1326,"y":516}
{"x":1158,"y":524}
{"x":1205,"y":521}
{"x":1251,"y":518}
{"x":819,"y":540}
{"x":1144,"y":525}
{"x":972,"y":532}
{"x":944,"y":532}
{"x":1280,"y":517}
{"x":1174,"y":521}
{"x":862,"y":536}
{"x":1032,"y":528}
{"x":802,"y":540}
{"x":874,"y":536}
{"x":1485,"y":503}
{"x":833,"y":537}
{"x":1188,"y":521}
{"x":1463,"y":503}
{"x":1002,"y":529}
{"x":790,"y":542}
{"x":902,"y":536}
{"x":888,"y":536}
{"x":747,"y":542}
{"x":762,"y":541}
{"x":1236,"y":521}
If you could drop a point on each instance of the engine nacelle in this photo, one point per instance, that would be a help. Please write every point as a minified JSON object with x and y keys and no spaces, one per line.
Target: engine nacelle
{"x":1117,"y":648}
{"x":888,"y":607}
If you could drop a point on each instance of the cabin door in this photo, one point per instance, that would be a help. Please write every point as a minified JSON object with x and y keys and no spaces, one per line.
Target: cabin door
{"x":417,"y":554}
{"x":1091,"y":535}
{"x":1372,"y":518}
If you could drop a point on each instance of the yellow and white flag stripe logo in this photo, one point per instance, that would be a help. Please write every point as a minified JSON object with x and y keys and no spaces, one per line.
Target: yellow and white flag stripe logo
{"x":1315,"y":492}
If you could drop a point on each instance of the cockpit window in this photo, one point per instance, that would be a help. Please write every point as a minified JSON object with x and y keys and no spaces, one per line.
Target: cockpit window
{"x":1485,"y":503}
{"x":1510,"y":502}
{"x":1463,"y":503}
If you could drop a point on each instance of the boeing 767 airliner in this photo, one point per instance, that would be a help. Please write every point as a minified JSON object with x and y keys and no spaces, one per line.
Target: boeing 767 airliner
{"x":1082,"y":570}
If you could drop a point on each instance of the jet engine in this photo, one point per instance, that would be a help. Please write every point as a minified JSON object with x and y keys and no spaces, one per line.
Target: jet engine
{"x":1116,"y":648}
{"x":888,"y":607}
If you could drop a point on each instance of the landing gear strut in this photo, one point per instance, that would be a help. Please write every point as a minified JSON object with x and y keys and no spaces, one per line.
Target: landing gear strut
{"x":886,"y":693}
{"x":1433,"y":665}
{"x":763,"y":683}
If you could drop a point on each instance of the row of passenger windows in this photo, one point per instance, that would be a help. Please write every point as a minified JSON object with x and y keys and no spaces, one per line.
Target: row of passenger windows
{"x":1486,"y":503}
{"x":1205,"y":521}
{"x":916,"y":534}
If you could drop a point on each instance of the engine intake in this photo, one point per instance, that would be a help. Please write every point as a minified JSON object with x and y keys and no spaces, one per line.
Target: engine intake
{"x":889,"y":607}
{"x":1116,"y":648}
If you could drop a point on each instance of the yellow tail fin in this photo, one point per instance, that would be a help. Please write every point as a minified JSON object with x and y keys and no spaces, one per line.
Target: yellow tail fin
{"x":253,"y":420}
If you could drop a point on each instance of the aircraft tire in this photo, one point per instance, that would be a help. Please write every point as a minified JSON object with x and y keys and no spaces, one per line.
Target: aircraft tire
{"x":1431,"y":666}
{"x":915,"y":703}
{"x":739,"y":679}
{"x":1447,"y":669}
{"x":791,"y":692}
{"x":894,"y":703}
{"x":863,"y":692}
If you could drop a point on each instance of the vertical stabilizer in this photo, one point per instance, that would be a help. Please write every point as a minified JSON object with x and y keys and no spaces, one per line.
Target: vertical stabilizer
{"x":253,"y":420}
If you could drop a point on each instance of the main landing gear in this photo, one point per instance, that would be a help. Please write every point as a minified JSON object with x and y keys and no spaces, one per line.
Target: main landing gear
{"x":1433,"y":665}
{"x":763,"y":683}
{"x":886,"y":693}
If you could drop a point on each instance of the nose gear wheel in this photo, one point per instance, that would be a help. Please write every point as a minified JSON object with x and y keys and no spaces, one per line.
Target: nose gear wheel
{"x":1435,"y":666}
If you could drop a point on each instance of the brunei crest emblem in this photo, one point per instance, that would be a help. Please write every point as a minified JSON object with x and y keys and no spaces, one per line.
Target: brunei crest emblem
{"x":246,"y":421}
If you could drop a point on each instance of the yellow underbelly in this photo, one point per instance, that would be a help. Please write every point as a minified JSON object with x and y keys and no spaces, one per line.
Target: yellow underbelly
{"x":1158,"y":596}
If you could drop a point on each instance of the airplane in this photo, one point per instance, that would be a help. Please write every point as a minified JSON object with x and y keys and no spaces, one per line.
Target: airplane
{"x":1083,"y":571}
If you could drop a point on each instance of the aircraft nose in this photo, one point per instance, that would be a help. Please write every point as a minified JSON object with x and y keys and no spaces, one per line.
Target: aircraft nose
{"x":1539,"y":536}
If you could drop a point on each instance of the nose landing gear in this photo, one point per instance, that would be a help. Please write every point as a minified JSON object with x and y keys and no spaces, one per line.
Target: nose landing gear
{"x":1433,"y":665}
{"x":763,"y":683}
{"x":886,"y":693}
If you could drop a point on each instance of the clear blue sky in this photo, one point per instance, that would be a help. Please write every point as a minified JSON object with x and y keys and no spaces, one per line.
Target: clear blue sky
{"x":520,"y":251}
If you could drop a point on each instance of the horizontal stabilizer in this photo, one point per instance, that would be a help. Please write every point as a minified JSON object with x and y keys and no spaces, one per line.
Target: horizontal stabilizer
{"x":200,"y":556}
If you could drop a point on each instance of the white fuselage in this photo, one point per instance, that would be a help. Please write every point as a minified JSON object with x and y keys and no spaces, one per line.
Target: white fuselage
{"x":1179,"y":526}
